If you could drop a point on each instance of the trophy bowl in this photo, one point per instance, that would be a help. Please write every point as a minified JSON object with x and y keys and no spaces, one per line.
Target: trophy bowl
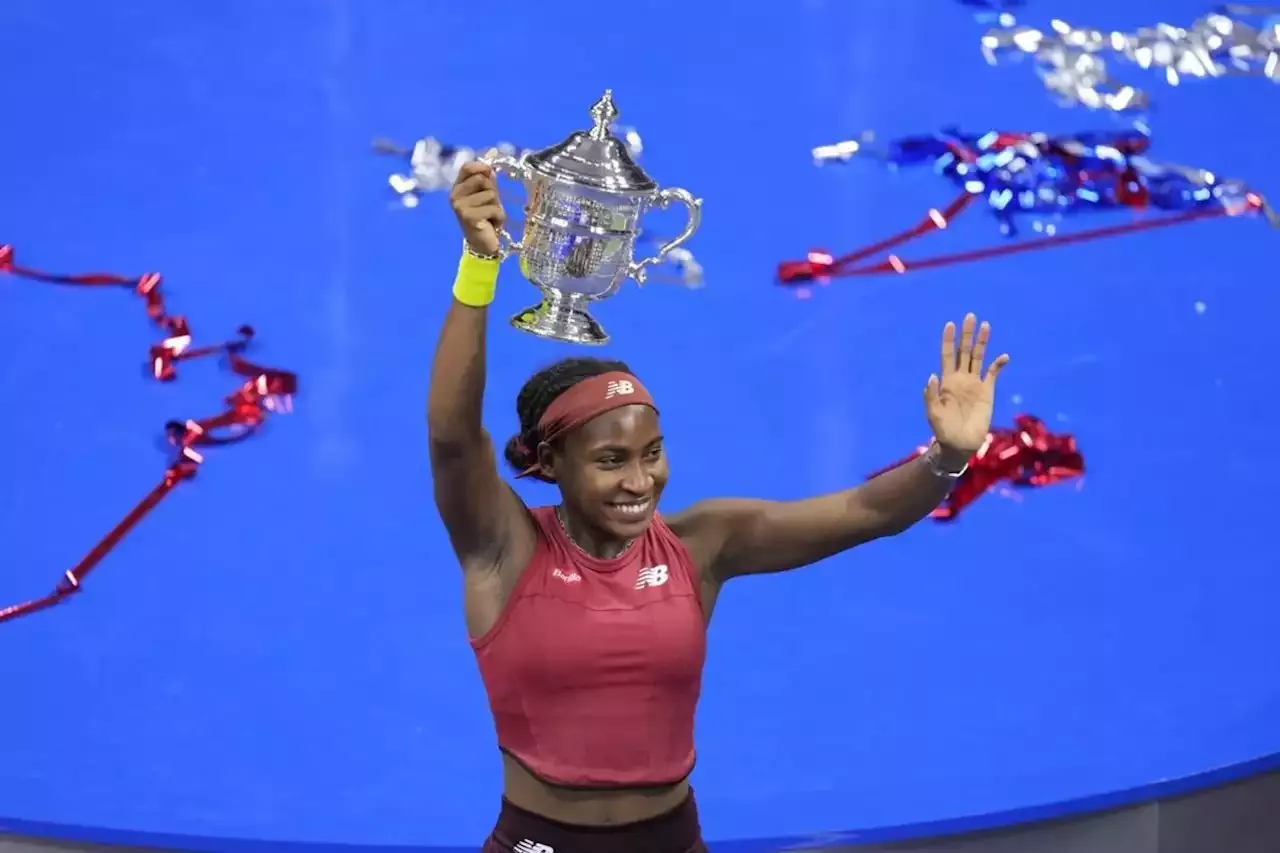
{"x":586,"y":197}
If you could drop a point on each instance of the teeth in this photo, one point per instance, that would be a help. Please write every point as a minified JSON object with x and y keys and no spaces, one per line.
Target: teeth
{"x":633,"y":507}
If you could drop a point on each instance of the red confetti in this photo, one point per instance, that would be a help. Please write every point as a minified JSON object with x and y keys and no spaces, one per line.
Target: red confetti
{"x":264,"y":390}
{"x":1019,"y":174}
{"x":820,"y":266}
{"x":1026,"y":456}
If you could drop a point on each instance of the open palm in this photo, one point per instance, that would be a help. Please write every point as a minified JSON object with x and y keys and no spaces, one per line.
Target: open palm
{"x":959,"y":405}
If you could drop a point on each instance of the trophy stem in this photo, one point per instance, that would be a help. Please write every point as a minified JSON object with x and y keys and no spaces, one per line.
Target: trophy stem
{"x":562,"y":316}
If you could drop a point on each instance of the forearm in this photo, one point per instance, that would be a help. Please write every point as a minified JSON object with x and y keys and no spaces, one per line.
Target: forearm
{"x":746,"y":537}
{"x":895,"y":500}
{"x":455,"y":400}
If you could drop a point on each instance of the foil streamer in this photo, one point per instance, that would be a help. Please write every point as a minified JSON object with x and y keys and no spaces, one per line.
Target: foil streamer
{"x":1017,"y":175}
{"x":433,"y":166}
{"x":1233,"y":40}
{"x":1026,"y":455}
{"x":263,"y":390}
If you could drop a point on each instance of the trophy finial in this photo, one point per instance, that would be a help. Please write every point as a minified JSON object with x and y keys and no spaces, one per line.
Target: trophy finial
{"x":603,"y":113}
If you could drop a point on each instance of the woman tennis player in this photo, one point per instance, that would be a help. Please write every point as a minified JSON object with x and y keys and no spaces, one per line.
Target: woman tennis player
{"x":589,"y":617}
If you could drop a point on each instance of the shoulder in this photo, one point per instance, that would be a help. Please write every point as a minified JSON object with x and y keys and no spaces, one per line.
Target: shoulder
{"x":545,"y":525}
{"x":706,"y":526}
{"x":542,"y":513}
{"x":691,"y":521}
{"x":712,"y":516}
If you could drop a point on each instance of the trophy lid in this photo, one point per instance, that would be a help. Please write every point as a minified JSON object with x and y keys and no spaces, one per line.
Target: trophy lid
{"x":594,"y":158}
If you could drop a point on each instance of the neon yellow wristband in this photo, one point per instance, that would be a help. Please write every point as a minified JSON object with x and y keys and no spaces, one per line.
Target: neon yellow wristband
{"x":477,"y":280}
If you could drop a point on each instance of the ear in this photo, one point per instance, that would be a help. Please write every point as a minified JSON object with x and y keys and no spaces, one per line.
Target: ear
{"x":547,"y":460}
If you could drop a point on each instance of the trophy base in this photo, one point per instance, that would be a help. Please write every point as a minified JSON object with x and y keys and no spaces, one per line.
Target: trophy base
{"x":562,"y":317}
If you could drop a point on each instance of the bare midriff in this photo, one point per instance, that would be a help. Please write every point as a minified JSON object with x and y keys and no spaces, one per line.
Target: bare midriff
{"x":584,"y":806}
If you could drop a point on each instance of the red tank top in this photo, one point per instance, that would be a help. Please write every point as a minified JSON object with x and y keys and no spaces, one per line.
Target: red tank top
{"x":594,"y":667}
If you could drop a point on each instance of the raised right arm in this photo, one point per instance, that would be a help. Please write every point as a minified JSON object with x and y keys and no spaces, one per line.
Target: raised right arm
{"x":488,"y":524}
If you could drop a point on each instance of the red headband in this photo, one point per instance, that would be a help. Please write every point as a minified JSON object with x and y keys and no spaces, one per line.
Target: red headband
{"x":588,"y":399}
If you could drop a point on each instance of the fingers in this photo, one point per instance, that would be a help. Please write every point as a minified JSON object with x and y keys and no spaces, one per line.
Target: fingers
{"x":497,"y":214}
{"x":932,"y":395}
{"x":470,"y":170}
{"x":473,"y":214}
{"x":965,"y":362}
{"x":478,"y":198}
{"x":478,"y":207}
{"x":965,"y":351}
{"x":491,"y":213}
{"x":994,"y":370}
{"x":475,"y":196}
{"x":468,"y":187}
{"x":979,"y":348}
{"x":473,"y":178}
{"x":948,"y":348}
{"x":485,"y":213}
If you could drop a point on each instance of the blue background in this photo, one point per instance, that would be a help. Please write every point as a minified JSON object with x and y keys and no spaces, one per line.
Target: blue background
{"x":278,"y":652}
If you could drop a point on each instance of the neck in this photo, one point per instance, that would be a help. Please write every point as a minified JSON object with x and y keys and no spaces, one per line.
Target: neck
{"x":590,"y":540}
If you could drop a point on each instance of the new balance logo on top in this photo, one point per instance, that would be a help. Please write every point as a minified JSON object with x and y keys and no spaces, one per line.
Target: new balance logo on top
{"x":528,"y":846}
{"x":619,"y":389}
{"x":655,"y":576}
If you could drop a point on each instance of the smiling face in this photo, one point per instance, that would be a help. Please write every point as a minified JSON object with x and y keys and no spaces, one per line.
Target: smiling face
{"x":611,"y":470}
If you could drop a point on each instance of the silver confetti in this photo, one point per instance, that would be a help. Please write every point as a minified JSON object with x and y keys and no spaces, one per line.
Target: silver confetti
{"x":1234,"y":40}
{"x":688,"y":270}
{"x":433,"y":166}
{"x":843,"y":151}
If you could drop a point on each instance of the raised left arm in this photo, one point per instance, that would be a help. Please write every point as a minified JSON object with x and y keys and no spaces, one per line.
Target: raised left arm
{"x":732,"y":537}
{"x":741,"y":536}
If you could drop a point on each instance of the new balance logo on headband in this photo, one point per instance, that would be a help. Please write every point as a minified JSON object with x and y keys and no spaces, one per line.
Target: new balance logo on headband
{"x":528,"y":846}
{"x":620,"y":388}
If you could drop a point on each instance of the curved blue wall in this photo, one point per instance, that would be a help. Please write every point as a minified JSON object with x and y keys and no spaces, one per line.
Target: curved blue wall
{"x":278,"y":651}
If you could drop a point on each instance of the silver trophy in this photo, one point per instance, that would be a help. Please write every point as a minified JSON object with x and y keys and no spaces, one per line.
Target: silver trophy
{"x":585,"y":199}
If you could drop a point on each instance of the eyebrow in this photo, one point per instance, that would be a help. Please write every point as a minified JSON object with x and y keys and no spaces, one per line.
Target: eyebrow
{"x":624,"y":448}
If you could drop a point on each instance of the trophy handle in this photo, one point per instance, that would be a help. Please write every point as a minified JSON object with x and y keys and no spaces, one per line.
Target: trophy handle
{"x":640,"y":270}
{"x":512,"y":167}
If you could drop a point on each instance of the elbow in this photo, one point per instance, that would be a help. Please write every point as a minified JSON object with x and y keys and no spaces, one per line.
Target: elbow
{"x":446,"y":443}
{"x":448,"y":428}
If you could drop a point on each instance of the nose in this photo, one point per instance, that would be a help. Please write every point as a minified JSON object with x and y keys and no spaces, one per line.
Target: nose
{"x":637,"y":480}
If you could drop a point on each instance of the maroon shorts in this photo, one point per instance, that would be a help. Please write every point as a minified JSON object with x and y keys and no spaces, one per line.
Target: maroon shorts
{"x":519,"y":831}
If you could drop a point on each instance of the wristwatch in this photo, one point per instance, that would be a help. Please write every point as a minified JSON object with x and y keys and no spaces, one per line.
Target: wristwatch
{"x":933,"y":455}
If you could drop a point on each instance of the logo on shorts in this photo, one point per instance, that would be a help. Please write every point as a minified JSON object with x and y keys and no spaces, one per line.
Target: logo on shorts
{"x":620,"y":388}
{"x":528,"y":846}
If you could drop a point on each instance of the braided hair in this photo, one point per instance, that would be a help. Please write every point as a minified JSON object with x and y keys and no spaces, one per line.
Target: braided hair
{"x":538,"y":393}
